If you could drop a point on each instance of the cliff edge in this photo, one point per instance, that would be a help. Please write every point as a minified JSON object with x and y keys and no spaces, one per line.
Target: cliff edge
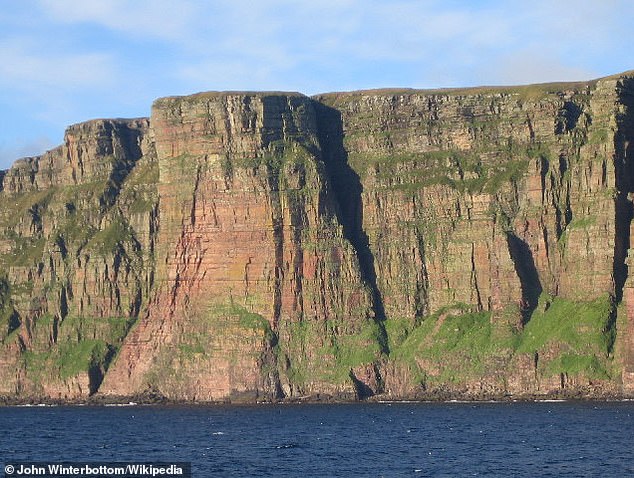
{"x":393,"y":243}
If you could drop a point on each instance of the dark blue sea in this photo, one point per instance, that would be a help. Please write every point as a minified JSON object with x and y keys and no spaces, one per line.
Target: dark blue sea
{"x":348,"y":440}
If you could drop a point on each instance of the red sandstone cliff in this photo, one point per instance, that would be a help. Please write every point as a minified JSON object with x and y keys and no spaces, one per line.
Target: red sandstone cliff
{"x":270,"y":245}
{"x":258,"y":290}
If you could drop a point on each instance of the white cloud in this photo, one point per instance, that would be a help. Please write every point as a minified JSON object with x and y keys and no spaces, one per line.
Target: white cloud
{"x":530,"y":66}
{"x":44,"y":91}
{"x":224,"y":75}
{"x":68,"y":60}
{"x":156,"y":18}
{"x":290,"y":35}
{"x":22,"y":147}
{"x":23,"y":66}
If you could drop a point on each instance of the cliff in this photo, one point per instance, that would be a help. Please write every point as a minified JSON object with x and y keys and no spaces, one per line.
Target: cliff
{"x":399,"y":243}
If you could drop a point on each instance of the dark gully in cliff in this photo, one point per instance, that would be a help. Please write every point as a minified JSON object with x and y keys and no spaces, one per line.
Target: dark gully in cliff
{"x":391,"y":243}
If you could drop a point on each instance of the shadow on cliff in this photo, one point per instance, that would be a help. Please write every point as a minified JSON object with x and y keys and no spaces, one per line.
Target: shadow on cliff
{"x":124,"y":162}
{"x":527,"y":272}
{"x":347,"y":188}
{"x":624,"y":174}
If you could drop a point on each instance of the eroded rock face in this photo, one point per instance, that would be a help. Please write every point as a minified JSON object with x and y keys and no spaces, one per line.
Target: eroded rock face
{"x":260,"y":293}
{"x":78,"y":228}
{"x":268,"y":245}
{"x":495,"y":199}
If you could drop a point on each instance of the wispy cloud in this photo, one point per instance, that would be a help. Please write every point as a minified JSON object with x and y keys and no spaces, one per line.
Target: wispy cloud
{"x":63,"y":61}
{"x":24,"y":66}
{"x":25,"y":147}
{"x":280,"y":40}
{"x":154,"y":18}
{"x":530,"y":66}
{"x":50,"y":87}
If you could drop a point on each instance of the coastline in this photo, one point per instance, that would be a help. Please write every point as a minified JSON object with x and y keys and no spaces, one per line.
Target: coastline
{"x":144,"y":400}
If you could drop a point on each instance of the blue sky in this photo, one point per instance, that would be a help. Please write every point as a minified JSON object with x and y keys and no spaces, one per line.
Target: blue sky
{"x":66,"y":61}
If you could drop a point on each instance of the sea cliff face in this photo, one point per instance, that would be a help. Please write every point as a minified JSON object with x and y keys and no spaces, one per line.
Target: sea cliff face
{"x":399,"y":243}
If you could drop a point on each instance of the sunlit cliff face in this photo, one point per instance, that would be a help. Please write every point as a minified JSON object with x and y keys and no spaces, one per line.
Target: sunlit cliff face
{"x":251,"y":246}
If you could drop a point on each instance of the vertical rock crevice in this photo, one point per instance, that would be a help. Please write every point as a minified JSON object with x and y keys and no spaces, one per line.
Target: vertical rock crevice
{"x":526,"y":271}
{"x":348,"y":190}
{"x":624,"y":178}
{"x":277,"y":221}
{"x":126,"y":151}
{"x":624,"y":183}
{"x":421,"y":306}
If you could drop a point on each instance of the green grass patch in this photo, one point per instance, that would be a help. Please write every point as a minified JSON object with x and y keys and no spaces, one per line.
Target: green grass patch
{"x":327,"y":350}
{"x":245,"y":318}
{"x":184,"y":165}
{"x":583,"y":222}
{"x":67,"y":359}
{"x":463,"y":171}
{"x":82,"y":344}
{"x":464,"y":334}
{"x":144,"y":174}
{"x":142,"y":203}
{"x":580,"y":333}
{"x":107,"y":240}
{"x":9,"y":320}
{"x":511,"y":171}
{"x":454,"y":344}
{"x":190,"y":350}
{"x":358,"y":348}
{"x":582,"y":326}
{"x":28,"y":251}
{"x":397,"y":330}
{"x":598,"y":135}
{"x":15,"y":207}
{"x":576,"y":364}
{"x":110,"y":329}
{"x":11,"y":337}
{"x":282,"y":160}
{"x":251,"y":320}
{"x":75,"y":358}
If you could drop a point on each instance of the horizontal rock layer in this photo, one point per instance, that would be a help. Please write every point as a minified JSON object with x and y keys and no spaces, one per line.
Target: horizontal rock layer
{"x":242,"y":246}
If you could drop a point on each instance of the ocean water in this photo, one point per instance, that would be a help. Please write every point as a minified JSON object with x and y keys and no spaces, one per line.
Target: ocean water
{"x":329,"y":440}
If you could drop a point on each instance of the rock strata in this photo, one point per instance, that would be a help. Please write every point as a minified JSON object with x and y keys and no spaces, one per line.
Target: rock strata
{"x":393,"y":243}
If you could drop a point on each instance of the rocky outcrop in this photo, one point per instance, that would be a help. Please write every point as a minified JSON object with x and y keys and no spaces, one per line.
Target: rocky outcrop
{"x":260,"y":294}
{"x":243,"y":246}
{"x":496,"y":199}
{"x":78,"y":227}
